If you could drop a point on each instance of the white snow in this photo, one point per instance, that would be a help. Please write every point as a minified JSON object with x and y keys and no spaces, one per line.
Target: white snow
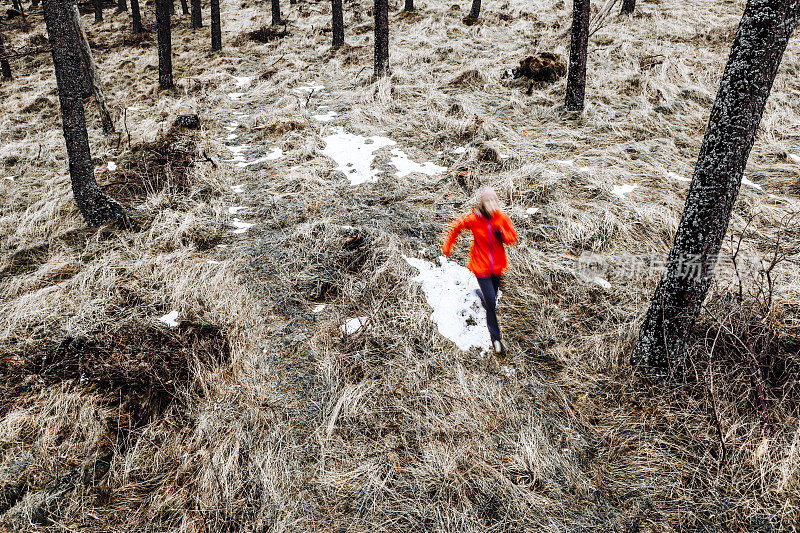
{"x":603,"y":283}
{"x":584,"y":169}
{"x":170,"y":319}
{"x":318,"y":308}
{"x":622,"y":190}
{"x":566,"y":163}
{"x":352,"y":325}
{"x":9,"y":178}
{"x":112,"y":166}
{"x":230,"y":128}
{"x":450,"y":290}
{"x":235,"y":209}
{"x":232,"y":136}
{"x":213,"y":262}
{"x":751,"y":184}
{"x":241,"y":226}
{"x":235,"y":96}
{"x":274,"y":153}
{"x":795,"y":158}
{"x":405,"y":166}
{"x":242,"y":81}
{"x":326,"y":117}
{"x":310,"y":87}
{"x":238,"y":189}
{"x":460,"y":150}
{"x":677,"y":177}
{"x":354,"y":154}
{"x":532,"y":210}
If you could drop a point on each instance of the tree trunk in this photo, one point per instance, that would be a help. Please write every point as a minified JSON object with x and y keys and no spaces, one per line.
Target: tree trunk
{"x":171,"y":7}
{"x":475,"y":10}
{"x":94,"y":205}
{"x":185,"y":7}
{"x":92,"y":73}
{"x":576,"y":80}
{"x":381,"y":37}
{"x":98,"y":10}
{"x":756,"y":53}
{"x":197,"y":14}
{"x":164,"y":32}
{"x":276,"y":12}
{"x":337,"y":23}
{"x":122,"y":5}
{"x":18,"y":6}
{"x":628,"y":6}
{"x":5,"y":66}
{"x":136,"y":16}
{"x":409,"y":5}
{"x":216,"y":27}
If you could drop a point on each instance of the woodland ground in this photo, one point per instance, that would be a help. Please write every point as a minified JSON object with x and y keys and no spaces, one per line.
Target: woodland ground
{"x":258,"y":414}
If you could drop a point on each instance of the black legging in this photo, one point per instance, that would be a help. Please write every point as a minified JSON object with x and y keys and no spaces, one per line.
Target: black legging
{"x":489,"y":288}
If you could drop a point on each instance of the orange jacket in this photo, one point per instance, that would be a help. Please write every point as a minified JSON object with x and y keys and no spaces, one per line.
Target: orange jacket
{"x":487,"y":255}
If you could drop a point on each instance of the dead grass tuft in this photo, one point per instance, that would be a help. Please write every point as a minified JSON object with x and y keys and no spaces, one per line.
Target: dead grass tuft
{"x":268,"y":34}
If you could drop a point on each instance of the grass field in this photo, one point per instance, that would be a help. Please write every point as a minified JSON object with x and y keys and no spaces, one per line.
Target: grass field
{"x":258,"y":413}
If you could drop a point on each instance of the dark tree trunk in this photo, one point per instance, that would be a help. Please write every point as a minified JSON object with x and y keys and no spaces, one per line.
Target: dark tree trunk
{"x":216,"y":27}
{"x":381,"y":37}
{"x":409,"y":5}
{"x":337,"y":23}
{"x":98,"y":10}
{"x":122,"y":5}
{"x":171,"y":7}
{"x":94,"y":205}
{"x":185,"y":7}
{"x":136,"y":16}
{"x":475,"y":10}
{"x":576,"y":80}
{"x":276,"y":12}
{"x":18,"y":6}
{"x":628,"y":6}
{"x":197,"y":14}
{"x":5,"y":66}
{"x":756,"y":53}
{"x":90,"y":71}
{"x":164,"y":31}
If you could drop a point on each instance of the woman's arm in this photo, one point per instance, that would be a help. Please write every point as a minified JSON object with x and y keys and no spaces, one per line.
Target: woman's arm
{"x":507,"y":230}
{"x":452,"y":235}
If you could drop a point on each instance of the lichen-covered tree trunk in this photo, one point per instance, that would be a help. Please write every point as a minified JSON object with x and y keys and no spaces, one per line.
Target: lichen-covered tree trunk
{"x":122,"y":5}
{"x":276,"y":12}
{"x":98,"y":10}
{"x":756,"y":53}
{"x":95,"y":206}
{"x":409,"y":5}
{"x":164,"y":32}
{"x":381,"y":37}
{"x":136,"y":17}
{"x":628,"y":6}
{"x":337,"y":23}
{"x":576,"y":79}
{"x":93,"y":76}
{"x":216,"y":27}
{"x":475,"y":10}
{"x":5,"y":66}
{"x":197,"y":14}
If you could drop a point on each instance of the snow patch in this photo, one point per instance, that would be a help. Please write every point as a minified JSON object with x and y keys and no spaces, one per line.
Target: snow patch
{"x":565,"y":163}
{"x":795,"y":158}
{"x":241,"y":226}
{"x":532,"y":210}
{"x":622,"y":190}
{"x":677,"y":177}
{"x":457,"y":311}
{"x":213,"y":262}
{"x":232,"y":136}
{"x":319,"y":308}
{"x":354,"y":154}
{"x":310,"y":87}
{"x":326,"y":117}
{"x":352,"y":325}
{"x":170,"y":319}
{"x":235,"y":96}
{"x":460,"y":150}
{"x":602,"y":282}
{"x":235,"y":209}
{"x":243,"y":81}
{"x":112,"y":166}
{"x":405,"y":166}
{"x":274,"y":153}
{"x":749,"y":183}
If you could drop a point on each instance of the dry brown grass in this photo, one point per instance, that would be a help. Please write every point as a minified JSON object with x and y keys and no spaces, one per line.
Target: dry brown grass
{"x":393,"y":428}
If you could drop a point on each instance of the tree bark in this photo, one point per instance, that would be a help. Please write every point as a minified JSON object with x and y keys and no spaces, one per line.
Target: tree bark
{"x":576,"y":79}
{"x":95,"y":206}
{"x":136,"y":16}
{"x":337,"y":23}
{"x":122,"y":5}
{"x":164,"y":32}
{"x":197,"y":14}
{"x":5,"y":66}
{"x":171,"y":7}
{"x":755,"y":55}
{"x":92,"y":73}
{"x":216,"y":27}
{"x":276,"y":12}
{"x":409,"y":5}
{"x":475,"y":10}
{"x":18,"y":6}
{"x":628,"y":6}
{"x":98,"y":10}
{"x":381,"y":37}
{"x":184,"y":7}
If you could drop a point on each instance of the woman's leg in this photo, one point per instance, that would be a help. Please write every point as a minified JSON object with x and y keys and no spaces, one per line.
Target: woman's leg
{"x":487,"y":286}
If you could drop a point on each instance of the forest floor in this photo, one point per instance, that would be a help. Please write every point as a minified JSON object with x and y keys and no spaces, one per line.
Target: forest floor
{"x":260,"y":354}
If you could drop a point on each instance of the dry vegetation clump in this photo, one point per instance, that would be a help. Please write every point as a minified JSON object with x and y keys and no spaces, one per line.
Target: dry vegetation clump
{"x":267,"y":34}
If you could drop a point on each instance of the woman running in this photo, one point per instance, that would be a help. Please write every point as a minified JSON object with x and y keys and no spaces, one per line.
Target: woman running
{"x":491,"y":229}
